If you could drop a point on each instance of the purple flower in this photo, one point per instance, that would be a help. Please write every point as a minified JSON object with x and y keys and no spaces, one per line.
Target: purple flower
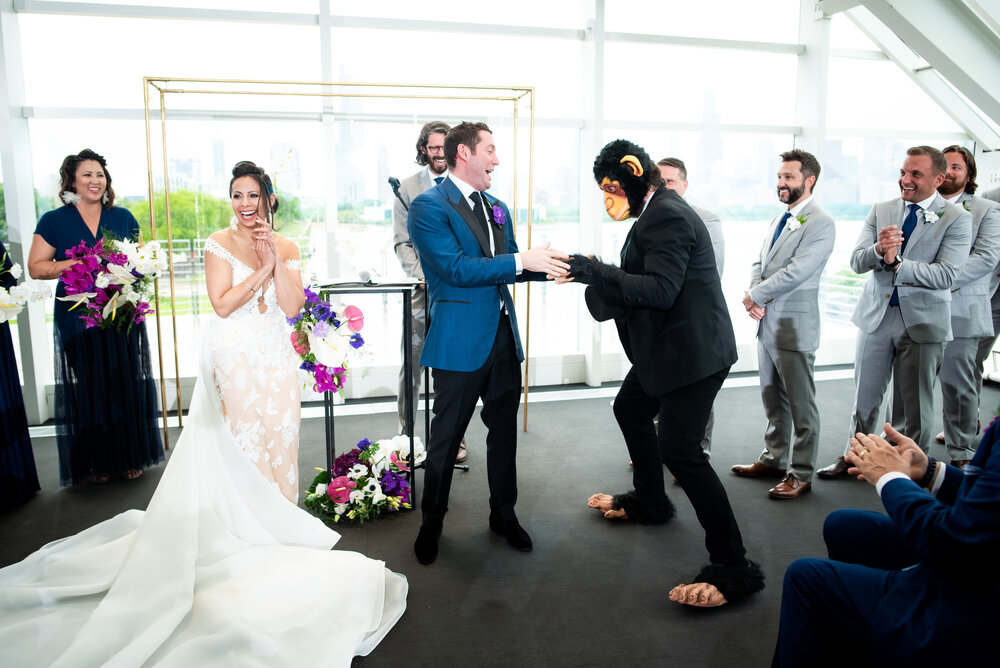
{"x":498,"y":216}
{"x":321,"y":329}
{"x":311,"y":297}
{"x":118,"y":258}
{"x":363,"y":444}
{"x":343,"y":463}
{"x":294,"y":321}
{"x":356,"y":341}
{"x":392,"y":483}
{"x":308,"y":366}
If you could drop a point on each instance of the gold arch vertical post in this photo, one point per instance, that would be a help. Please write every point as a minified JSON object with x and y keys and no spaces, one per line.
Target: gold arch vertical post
{"x":170,"y":252}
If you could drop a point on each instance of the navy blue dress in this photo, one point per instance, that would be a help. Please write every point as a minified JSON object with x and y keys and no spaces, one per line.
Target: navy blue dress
{"x":105,"y":393}
{"x":18,"y":477}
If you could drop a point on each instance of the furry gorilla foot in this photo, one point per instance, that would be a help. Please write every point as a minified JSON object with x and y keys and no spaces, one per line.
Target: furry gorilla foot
{"x":699,"y":595}
{"x":605,"y":504}
{"x":732,"y":583}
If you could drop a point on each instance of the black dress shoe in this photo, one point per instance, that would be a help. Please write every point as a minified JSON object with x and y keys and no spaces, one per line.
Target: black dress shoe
{"x":838,"y":469}
{"x":426,"y":545}
{"x":515,"y":534}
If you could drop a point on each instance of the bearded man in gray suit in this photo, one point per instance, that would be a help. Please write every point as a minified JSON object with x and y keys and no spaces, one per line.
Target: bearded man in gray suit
{"x":784,"y":299}
{"x":430,"y":155}
{"x":915,"y":247}
{"x":972,"y":320}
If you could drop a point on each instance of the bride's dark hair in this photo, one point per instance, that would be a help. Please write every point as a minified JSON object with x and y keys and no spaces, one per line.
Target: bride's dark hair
{"x":247,"y":168}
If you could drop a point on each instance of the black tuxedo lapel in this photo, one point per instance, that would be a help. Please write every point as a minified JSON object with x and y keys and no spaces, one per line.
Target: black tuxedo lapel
{"x":478,"y":229}
{"x":625,"y":246}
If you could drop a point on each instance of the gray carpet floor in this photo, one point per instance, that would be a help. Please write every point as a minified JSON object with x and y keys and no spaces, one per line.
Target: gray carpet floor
{"x":593,"y":592}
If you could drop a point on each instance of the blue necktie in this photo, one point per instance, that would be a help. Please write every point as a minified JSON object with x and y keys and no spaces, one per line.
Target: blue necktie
{"x":908,"y":224}
{"x":781,"y":226}
{"x":438,"y":179}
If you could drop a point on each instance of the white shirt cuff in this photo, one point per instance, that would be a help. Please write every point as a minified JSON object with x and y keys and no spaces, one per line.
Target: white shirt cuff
{"x":891,"y":475}
{"x":517,"y":263}
{"x":938,"y":478}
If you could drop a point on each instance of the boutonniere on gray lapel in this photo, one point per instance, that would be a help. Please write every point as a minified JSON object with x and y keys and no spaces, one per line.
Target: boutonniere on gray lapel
{"x":966,"y":205}
{"x":796,"y":222}
{"x":498,"y":216}
{"x":930,"y":216}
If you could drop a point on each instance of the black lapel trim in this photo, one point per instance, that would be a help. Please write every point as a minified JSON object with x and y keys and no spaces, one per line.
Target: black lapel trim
{"x":465,"y":210}
{"x":499,"y":233}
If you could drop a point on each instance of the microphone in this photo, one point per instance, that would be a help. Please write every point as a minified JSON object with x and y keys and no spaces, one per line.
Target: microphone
{"x":394,"y":182}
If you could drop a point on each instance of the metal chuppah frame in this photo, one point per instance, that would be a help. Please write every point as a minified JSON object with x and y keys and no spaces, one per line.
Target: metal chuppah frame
{"x":164,"y":86}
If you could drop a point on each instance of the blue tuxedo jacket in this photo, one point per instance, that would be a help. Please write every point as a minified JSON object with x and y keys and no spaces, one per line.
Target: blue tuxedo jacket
{"x":465,"y":284}
{"x":953,"y":592}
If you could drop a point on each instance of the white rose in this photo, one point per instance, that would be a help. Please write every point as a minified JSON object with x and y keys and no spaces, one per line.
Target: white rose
{"x":102,"y":281}
{"x":357,"y":495}
{"x":15,"y":270}
{"x":321,"y":489}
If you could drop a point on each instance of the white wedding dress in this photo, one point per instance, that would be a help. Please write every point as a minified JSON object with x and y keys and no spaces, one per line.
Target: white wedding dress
{"x":220,"y":569}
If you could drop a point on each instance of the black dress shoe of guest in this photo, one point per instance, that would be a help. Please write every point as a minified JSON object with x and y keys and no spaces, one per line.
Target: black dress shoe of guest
{"x":426,"y":545}
{"x":838,"y":469}
{"x":512,"y":530}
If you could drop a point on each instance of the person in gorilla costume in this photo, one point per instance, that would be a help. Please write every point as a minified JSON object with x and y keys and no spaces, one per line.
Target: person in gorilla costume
{"x":667,"y":303}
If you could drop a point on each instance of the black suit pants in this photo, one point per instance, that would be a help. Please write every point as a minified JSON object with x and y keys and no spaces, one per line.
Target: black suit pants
{"x":683,"y":414}
{"x":498,"y":383}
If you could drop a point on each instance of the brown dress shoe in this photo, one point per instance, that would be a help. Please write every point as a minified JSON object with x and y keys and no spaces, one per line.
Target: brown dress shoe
{"x":838,"y":469}
{"x":463,"y":452}
{"x":789,"y":488}
{"x":757,"y":470}
{"x":960,"y":463}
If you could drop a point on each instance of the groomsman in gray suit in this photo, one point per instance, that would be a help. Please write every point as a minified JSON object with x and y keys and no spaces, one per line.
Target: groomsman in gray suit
{"x":430,"y":155}
{"x":784,"y":299}
{"x":992,"y":195}
{"x":961,"y":373}
{"x":914,"y":246}
{"x":674,"y":174}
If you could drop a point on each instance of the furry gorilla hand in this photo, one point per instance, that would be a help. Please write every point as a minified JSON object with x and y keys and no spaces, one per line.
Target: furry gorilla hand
{"x":591,"y":271}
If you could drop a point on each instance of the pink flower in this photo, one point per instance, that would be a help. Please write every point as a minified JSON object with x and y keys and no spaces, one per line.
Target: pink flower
{"x":355,"y":319}
{"x":398,"y":461}
{"x":339,"y":489}
{"x":300,"y":342}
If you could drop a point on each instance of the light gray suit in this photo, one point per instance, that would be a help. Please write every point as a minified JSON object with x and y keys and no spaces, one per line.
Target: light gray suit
{"x":785,"y":281}
{"x":714,"y":226}
{"x":906,"y":341}
{"x":409,"y":188}
{"x":972,"y":326}
{"x":992,"y":195}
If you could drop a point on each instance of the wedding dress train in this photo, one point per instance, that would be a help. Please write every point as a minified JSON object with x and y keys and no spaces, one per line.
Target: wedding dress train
{"x":220,"y":569}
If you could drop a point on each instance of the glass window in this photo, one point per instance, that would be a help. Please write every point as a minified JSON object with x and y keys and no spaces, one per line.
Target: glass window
{"x":722,"y":19}
{"x":553,"y":14}
{"x":845,"y":35}
{"x":96,"y":61}
{"x":698,"y":85}
{"x":289,"y":6}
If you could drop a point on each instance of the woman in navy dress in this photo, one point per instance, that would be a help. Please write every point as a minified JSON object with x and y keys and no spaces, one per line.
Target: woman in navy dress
{"x":18,"y":477}
{"x":105,"y":395}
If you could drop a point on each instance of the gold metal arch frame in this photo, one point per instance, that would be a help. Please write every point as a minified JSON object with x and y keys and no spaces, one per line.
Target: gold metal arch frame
{"x":161,"y":87}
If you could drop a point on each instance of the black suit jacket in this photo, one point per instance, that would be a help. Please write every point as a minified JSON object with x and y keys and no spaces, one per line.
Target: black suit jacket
{"x":676,"y":327}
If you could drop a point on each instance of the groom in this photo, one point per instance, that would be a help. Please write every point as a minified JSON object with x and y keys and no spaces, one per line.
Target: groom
{"x":465,"y":242}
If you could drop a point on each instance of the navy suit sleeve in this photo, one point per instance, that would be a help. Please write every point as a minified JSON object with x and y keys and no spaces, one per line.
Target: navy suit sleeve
{"x":430,"y":225}
{"x":966,"y":532}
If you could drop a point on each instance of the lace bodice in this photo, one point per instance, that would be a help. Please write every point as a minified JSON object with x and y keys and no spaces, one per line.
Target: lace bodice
{"x":242,"y":272}
{"x":255,"y":374}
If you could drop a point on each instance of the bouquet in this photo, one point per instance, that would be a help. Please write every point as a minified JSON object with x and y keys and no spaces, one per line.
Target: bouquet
{"x":323,"y":339}
{"x":365,"y":482}
{"x":113,"y":281}
{"x":12,"y":301}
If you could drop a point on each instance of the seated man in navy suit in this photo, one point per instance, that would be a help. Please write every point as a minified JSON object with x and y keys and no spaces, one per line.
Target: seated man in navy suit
{"x":919,"y":586}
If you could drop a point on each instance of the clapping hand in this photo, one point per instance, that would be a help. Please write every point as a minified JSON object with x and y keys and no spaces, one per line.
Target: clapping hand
{"x":872,"y":456}
{"x":890,"y":239}
{"x":264,"y":244}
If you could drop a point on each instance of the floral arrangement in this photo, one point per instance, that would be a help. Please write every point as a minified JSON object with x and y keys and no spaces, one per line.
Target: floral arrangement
{"x":323,"y":339}
{"x":12,"y":301}
{"x":113,"y":281}
{"x":365,"y":482}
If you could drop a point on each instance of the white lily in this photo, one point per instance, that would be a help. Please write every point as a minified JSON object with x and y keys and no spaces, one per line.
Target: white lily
{"x":119,"y":275}
{"x":79,"y":298}
{"x":15,"y":270}
{"x":112,"y":306}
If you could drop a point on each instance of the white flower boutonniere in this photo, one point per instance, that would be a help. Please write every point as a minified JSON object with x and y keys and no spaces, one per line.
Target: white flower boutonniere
{"x":796,"y":222}
{"x":930,"y":216}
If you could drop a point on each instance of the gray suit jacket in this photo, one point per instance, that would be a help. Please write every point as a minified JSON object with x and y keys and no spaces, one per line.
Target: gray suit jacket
{"x":992,"y":195}
{"x":409,"y":188}
{"x":933,"y":257}
{"x":785,"y":279}
{"x":971,"y":314}
{"x":714,"y":226}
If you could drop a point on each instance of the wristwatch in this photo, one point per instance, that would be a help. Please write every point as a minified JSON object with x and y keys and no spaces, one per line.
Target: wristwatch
{"x":894,"y":263}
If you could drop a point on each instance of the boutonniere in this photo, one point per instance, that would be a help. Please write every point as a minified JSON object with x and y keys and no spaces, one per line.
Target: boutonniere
{"x":498,"y":216}
{"x":930,"y":216}
{"x":796,"y":222}
{"x":966,"y":205}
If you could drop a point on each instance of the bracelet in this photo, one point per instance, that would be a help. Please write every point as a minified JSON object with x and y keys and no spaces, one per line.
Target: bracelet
{"x":929,"y":473}
{"x":247,"y":286}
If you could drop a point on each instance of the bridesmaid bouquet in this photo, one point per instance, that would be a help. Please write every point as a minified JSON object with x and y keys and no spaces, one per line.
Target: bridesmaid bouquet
{"x":12,"y":301}
{"x":323,"y":339}
{"x":113,"y":281}
{"x":365,"y":482}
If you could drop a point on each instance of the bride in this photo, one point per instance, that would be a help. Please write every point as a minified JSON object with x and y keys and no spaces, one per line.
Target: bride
{"x":220,"y":569}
